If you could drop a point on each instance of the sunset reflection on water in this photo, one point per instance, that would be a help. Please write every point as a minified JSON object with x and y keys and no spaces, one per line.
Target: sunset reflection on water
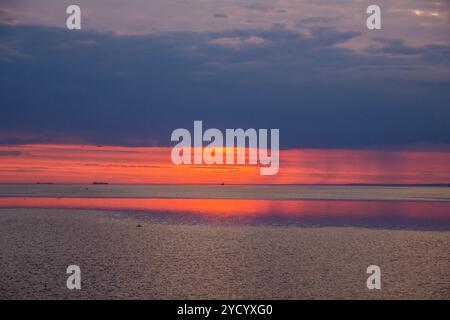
{"x":324,"y":211}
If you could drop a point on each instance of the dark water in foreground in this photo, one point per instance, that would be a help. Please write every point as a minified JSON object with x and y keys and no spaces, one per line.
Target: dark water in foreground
{"x":246,"y":242}
{"x":128,"y":258}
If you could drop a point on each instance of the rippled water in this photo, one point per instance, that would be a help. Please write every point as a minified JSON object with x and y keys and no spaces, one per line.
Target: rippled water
{"x":177,"y":242}
{"x":146,"y":259}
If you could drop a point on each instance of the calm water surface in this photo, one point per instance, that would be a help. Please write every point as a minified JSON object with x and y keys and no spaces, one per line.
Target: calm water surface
{"x":385,"y":214}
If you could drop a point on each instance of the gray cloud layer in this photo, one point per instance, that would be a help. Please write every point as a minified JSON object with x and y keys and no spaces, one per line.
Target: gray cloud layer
{"x":135,"y":90}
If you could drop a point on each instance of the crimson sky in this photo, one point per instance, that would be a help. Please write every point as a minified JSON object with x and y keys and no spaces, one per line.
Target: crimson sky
{"x":352,"y":105}
{"x":142,"y":165}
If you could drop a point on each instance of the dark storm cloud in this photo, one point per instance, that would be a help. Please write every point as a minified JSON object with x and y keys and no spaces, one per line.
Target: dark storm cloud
{"x":135,"y":90}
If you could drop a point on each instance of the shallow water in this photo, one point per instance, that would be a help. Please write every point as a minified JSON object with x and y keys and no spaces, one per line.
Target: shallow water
{"x":118,"y":259}
{"x":224,"y":242}
{"x":376,"y":214}
{"x":262,"y":192}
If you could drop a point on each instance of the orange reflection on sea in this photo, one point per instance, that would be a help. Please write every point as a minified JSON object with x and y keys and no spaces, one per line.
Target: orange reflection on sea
{"x":238,"y":207}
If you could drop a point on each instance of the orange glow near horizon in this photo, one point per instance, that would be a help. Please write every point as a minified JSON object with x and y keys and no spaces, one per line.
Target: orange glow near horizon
{"x":152,"y":165}
{"x":244,"y":208}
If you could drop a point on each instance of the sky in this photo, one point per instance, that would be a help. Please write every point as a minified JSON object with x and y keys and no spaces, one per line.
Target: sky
{"x":85,"y":164}
{"x":140,"y":69}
